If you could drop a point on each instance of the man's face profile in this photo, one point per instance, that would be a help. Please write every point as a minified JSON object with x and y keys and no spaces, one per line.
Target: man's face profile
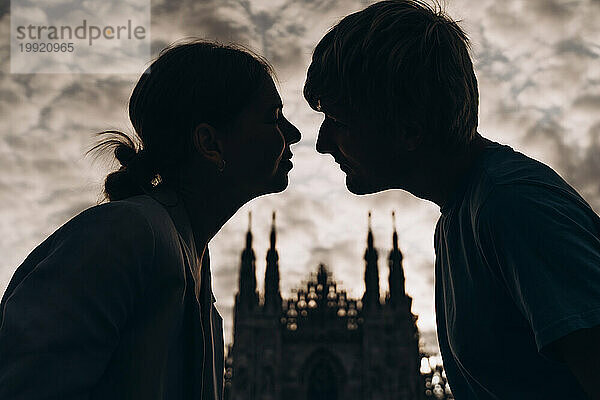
{"x":362,"y":152}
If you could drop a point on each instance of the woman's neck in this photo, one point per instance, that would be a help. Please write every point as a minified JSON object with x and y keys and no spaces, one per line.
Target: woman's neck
{"x":208,"y":209}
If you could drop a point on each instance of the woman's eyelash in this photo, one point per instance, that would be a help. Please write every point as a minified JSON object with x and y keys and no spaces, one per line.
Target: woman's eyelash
{"x":275,"y":118}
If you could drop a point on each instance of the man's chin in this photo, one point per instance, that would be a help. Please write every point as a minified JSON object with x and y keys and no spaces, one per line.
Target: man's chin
{"x":361,"y":186}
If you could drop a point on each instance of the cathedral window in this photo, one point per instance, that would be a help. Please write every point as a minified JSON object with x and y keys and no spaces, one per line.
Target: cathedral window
{"x":301,"y":302}
{"x":292,"y":326}
{"x":331,"y":295}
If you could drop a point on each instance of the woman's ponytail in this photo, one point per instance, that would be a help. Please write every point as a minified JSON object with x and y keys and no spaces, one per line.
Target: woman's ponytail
{"x":136,"y":170}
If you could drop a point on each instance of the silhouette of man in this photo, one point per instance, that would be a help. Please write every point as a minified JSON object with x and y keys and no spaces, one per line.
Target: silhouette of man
{"x":517,"y":249}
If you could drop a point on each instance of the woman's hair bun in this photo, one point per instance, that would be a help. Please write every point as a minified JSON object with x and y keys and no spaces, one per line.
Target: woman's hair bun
{"x":125,"y":154}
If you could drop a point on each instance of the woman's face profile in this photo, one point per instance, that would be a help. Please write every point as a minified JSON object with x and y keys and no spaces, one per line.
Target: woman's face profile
{"x":257,"y":150}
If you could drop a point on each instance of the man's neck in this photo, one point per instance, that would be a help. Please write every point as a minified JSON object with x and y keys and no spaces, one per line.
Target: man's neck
{"x":438,"y":180}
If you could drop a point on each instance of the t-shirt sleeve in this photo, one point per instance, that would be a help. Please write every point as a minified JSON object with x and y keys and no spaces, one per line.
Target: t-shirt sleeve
{"x":545,"y":246}
{"x":62,"y":320}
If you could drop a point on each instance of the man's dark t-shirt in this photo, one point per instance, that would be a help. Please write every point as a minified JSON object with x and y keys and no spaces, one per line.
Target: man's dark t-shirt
{"x":517,"y":267}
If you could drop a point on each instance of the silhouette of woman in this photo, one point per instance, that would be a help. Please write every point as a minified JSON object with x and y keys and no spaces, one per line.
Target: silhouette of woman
{"x":117,"y":303}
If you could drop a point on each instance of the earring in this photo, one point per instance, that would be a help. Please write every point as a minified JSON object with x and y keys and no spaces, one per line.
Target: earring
{"x":157,"y":180}
{"x":221,"y":165}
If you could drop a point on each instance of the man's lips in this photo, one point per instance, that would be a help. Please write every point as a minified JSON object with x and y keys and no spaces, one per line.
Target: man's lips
{"x":343,"y":166}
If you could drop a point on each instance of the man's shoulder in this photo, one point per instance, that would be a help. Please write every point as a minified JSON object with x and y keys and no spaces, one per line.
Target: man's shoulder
{"x":531,"y":202}
{"x":512,"y":181}
{"x":505,"y":166}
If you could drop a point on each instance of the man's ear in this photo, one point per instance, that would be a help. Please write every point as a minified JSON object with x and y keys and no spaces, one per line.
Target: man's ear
{"x":207,"y":143}
{"x":410,"y":141}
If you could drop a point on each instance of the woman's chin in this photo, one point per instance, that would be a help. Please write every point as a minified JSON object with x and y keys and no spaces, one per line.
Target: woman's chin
{"x":280,"y":182}
{"x":276,"y":183}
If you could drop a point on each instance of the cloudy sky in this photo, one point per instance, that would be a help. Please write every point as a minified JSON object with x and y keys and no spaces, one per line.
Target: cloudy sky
{"x":538,"y":66}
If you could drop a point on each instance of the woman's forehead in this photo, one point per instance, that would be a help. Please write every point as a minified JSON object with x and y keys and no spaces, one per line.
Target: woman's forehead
{"x":266,"y":101}
{"x":269,"y":97}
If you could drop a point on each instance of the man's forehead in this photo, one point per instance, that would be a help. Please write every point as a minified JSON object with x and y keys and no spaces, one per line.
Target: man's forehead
{"x":330,"y":109}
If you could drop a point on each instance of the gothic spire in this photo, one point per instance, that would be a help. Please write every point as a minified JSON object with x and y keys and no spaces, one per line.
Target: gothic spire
{"x":396,"y":277}
{"x":371,"y":296}
{"x":273,"y":237}
{"x":249,"y":233}
{"x":322,"y":276}
{"x":247,"y":297}
{"x":395,"y":234}
{"x":370,"y":234}
{"x":272,"y":293}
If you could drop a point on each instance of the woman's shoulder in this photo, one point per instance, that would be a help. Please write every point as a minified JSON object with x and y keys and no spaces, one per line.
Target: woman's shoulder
{"x":96,"y":233}
{"x":133,"y":216}
{"x":121,"y":212}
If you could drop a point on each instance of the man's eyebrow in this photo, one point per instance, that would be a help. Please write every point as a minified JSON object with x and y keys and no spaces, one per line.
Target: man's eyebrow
{"x":329,"y":114}
{"x":323,"y":110}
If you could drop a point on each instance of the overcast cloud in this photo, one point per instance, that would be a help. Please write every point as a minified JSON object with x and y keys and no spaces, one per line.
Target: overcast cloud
{"x":537,"y":62}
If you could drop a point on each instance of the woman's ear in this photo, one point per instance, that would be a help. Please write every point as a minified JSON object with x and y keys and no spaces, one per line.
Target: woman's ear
{"x":207,"y":143}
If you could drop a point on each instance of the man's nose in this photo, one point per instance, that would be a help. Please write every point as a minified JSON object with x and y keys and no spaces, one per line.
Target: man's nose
{"x":324,"y":144}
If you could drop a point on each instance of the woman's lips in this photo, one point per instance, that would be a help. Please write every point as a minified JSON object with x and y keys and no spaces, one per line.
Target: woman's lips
{"x":286,"y":162}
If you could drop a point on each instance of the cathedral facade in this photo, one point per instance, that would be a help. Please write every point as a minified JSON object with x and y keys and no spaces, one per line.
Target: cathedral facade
{"x":321,"y":344}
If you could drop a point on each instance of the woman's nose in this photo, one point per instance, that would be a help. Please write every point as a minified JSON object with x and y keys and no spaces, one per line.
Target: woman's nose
{"x":290,"y":132}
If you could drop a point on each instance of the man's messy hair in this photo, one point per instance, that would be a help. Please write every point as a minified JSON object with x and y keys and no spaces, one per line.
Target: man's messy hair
{"x":402,"y":64}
